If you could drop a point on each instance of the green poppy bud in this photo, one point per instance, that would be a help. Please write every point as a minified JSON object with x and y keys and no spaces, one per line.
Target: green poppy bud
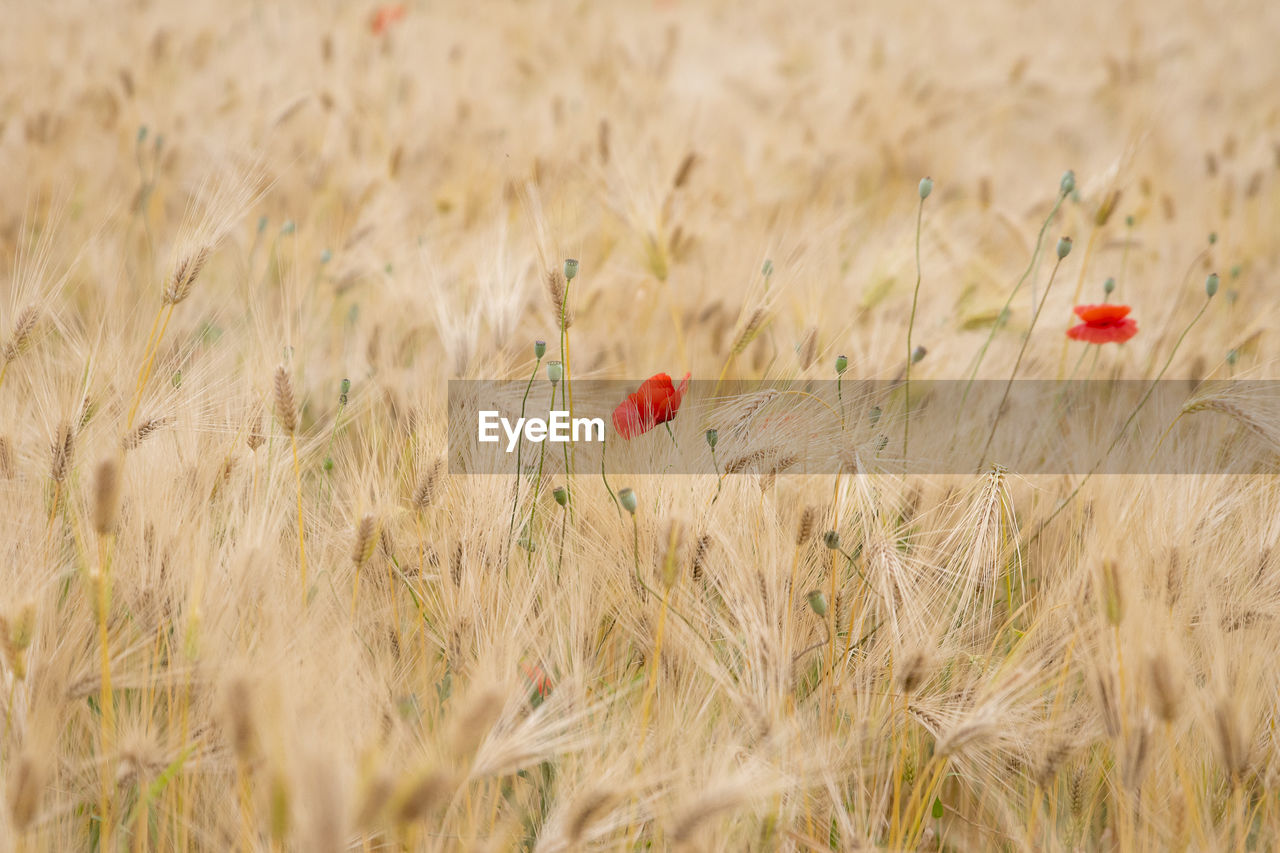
{"x":1211,"y":284}
{"x":288,"y":228}
{"x":1213,"y":237}
{"x":1130,"y":221}
{"x":328,"y":463}
{"x":570,"y":268}
{"x":326,"y":256}
{"x":767,"y":268}
{"x":926,"y":187}
{"x":1233,"y":357}
{"x":627,"y":498}
{"x":539,"y":349}
{"x":842,"y":364}
{"x":1109,"y":286}
{"x":1064,"y":247}
{"x":561,"y":496}
{"x":1068,"y":182}
{"x":818,"y":602}
{"x":712,"y":437}
{"x":142,"y":133}
{"x":555,"y":371}
{"x":918,"y":354}
{"x":831,"y":539}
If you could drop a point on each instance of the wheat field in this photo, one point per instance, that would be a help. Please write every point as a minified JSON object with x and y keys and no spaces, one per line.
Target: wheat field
{"x":249,"y":601}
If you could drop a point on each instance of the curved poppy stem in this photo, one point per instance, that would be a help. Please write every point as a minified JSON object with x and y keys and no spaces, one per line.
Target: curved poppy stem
{"x":1075,"y":297}
{"x":515,"y":501}
{"x":1005,"y":310}
{"x":566,"y":393}
{"x":564,"y":516}
{"x":537,"y":486}
{"x":604,"y":446}
{"x":911,"y":324}
{"x":1021,"y":352}
{"x":1124,"y":428}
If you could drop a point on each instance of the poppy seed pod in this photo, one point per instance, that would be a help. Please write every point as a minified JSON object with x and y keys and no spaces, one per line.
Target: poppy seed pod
{"x":1068,"y":182}
{"x":561,"y":496}
{"x":1211,"y":284}
{"x":926,"y":187}
{"x":627,"y":498}
{"x":539,"y":349}
{"x":842,"y":364}
{"x":555,"y":371}
{"x":570,"y":268}
{"x":1109,"y":286}
{"x":712,"y":437}
{"x":1064,"y":247}
{"x":818,"y":602}
{"x":831,"y":539}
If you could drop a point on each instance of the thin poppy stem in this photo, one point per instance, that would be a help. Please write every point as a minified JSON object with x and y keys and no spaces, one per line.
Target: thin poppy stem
{"x":566,"y":393}
{"x":1075,"y":297}
{"x":515,"y":501}
{"x":1026,"y":338}
{"x":1004,"y":312}
{"x":911,"y":324}
{"x":537,"y":487}
{"x":604,"y":446}
{"x":1124,"y":428}
{"x":564,"y":516}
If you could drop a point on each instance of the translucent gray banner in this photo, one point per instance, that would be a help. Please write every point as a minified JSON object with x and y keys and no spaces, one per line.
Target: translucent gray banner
{"x":825,"y":427}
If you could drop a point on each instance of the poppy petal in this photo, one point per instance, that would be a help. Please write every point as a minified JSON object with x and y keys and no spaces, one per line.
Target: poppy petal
{"x":626,"y":419}
{"x":1117,"y":333}
{"x":1106,"y":313}
{"x":654,"y":402}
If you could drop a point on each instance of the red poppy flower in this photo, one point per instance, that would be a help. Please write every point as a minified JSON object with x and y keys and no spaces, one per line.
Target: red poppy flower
{"x":385,"y":16}
{"x":1103,"y":324}
{"x":540,"y":680}
{"x":654,"y":402}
